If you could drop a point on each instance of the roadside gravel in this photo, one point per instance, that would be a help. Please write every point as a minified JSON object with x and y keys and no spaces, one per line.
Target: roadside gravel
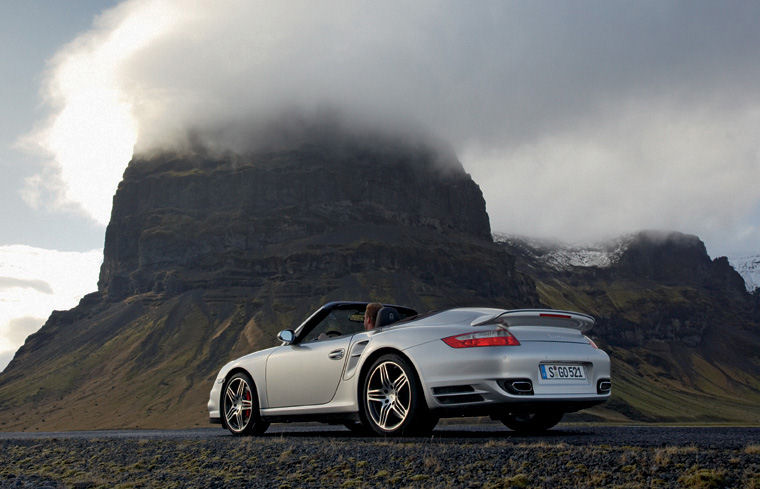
{"x":454,"y":456}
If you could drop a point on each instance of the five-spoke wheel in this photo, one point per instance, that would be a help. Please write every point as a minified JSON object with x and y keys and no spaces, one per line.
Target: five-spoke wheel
{"x":240,"y":406}
{"x":389,"y":396}
{"x":391,"y":399}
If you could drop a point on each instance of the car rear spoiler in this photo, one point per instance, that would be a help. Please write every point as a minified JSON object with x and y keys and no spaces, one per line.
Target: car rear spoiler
{"x":538,"y":317}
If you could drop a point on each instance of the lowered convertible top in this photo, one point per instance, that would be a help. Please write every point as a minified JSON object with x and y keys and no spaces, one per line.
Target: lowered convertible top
{"x":538,"y":317}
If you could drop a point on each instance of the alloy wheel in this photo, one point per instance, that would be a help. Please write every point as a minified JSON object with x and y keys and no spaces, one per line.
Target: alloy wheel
{"x":238,"y":404}
{"x":388,"y":396}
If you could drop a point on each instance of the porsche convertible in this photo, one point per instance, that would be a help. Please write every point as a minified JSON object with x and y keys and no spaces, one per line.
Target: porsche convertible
{"x":526,"y":368}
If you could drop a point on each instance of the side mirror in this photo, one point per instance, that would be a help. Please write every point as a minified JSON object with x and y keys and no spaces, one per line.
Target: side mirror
{"x":287,"y":336}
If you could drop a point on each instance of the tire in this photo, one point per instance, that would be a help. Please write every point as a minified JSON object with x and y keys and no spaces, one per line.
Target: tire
{"x":240,"y":406}
{"x":534,"y":422}
{"x":391,"y":400}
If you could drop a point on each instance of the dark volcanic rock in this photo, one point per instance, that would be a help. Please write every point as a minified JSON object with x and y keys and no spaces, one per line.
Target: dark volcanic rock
{"x":696,"y":293}
{"x":676,"y":258}
{"x":181,"y":223}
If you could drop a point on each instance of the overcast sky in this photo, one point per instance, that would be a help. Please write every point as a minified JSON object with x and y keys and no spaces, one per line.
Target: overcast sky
{"x":579,"y":120}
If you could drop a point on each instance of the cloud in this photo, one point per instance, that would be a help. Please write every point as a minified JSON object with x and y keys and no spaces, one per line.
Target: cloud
{"x":14,"y":333}
{"x":5,"y":359}
{"x":577,"y":122}
{"x":92,"y":131}
{"x":38,"y":285}
{"x":669,"y":168}
{"x":19,"y":328}
{"x":36,"y":281}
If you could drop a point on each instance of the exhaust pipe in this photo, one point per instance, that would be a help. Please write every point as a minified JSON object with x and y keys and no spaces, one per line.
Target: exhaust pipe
{"x":517,"y":387}
{"x":523,"y":386}
{"x":603,"y":386}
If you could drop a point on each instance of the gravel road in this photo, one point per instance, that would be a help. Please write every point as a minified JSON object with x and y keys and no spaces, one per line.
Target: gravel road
{"x":456,"y":455}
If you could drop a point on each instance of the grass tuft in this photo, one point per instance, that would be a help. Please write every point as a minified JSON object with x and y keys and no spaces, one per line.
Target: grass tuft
{"x":703,"y":478}
{"x":752,"y":450}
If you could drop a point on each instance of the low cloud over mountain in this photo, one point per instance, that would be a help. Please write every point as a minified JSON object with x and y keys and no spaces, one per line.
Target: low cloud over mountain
{"x":579,"y":123}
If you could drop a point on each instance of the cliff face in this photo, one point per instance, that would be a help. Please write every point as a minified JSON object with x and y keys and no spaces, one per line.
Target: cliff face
{"x":207,"y":257}
{"x":676,"y":258}
{"x":184,"y":223}
{"x":682,"y":294}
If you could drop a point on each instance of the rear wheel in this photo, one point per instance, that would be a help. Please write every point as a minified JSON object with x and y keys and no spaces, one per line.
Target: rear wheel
{"x":531,"y":422}
{"x":392,"y":403}
{"x":240,"y":407}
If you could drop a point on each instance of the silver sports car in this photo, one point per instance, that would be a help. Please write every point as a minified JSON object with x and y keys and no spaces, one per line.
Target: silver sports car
{"x":524,"y":367}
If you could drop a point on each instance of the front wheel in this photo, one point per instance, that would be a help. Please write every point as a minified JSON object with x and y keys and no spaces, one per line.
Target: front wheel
{"x":534,"y":422}
{"x":240,"y":406}
{"x":392,"y":403}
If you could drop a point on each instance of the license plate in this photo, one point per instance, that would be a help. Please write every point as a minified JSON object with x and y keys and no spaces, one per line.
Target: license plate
{"x":550,"y":371}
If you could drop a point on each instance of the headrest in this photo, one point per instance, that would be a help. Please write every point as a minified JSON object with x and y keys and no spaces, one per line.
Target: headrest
{"x":386,"y":316}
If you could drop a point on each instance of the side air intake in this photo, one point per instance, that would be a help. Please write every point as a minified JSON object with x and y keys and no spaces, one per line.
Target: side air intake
{"x":457,"y":394}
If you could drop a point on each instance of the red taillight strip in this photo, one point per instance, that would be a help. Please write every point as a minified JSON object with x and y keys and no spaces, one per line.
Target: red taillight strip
{"x":496,"y":337}
{"x":547,"y":315}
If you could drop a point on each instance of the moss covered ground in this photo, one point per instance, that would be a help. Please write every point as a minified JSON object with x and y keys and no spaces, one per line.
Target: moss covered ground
{"x":348,"y":462}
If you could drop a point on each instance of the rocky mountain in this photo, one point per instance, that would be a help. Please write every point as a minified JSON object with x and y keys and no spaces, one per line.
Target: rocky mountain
{"x":681,"y":327}
{"x":208,"y":256}
{"x":195,"y":222}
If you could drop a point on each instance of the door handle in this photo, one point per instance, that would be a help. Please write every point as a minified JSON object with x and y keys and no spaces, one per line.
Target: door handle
{"x":337,"y":354}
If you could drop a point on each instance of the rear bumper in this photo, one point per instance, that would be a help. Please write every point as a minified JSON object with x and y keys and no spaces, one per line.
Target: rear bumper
{"x":215,"y":420}
{"x":478,"y":381}
{"x":498,"y":409}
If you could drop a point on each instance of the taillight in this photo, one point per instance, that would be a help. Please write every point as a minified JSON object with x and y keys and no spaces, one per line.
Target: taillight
{"x":591,"y":342}
{"x":495,"y":337}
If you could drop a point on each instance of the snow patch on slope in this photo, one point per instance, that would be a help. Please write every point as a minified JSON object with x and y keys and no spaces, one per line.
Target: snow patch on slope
{"x":749,"y":268}
{"x":562,"y":257}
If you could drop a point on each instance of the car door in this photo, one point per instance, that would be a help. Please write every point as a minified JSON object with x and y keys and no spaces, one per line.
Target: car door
{"x":308,"y":371}
{"x":304,"y":374}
